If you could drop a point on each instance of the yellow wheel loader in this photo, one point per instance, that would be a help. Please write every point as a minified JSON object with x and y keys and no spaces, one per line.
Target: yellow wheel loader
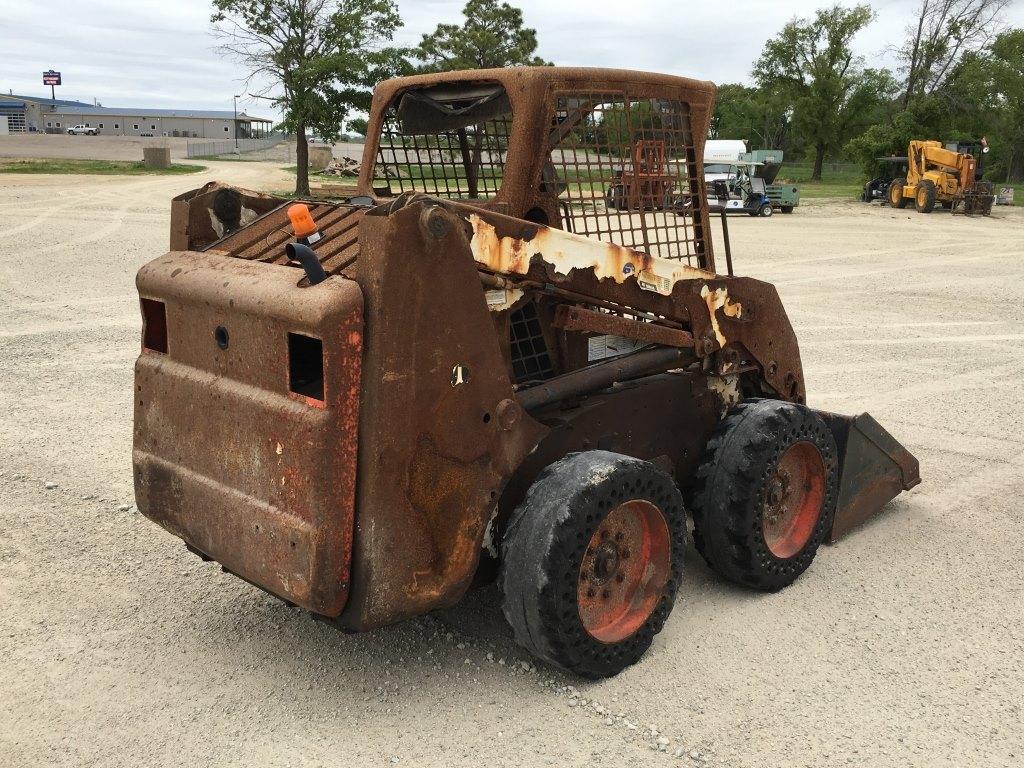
{"x":950,"y":177}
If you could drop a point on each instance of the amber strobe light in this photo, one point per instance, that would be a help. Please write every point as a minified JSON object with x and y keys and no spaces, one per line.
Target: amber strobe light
{"x":302,"y":223}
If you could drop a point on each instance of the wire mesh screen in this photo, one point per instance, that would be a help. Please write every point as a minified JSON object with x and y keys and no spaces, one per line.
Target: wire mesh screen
{"x":625,"y":170}
{"x":465,"y":162}
{"x":531,"y":360}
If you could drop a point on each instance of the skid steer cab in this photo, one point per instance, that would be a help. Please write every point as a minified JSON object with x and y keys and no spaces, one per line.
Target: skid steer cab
{"x":483,"y":365}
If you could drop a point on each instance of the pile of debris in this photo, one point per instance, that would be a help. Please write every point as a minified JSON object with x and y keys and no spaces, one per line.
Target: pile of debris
{"x":345,"y":166}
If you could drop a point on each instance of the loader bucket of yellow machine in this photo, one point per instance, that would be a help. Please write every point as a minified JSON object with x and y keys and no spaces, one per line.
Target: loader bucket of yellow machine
{"x":874,"y":468}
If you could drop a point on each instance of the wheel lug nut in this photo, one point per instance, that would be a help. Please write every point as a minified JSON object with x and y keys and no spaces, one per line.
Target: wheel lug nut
{"x":619,"y":536}
{"x":606,"y":594}
{"x":624,"y":554}
{"x":619,"y":578}
{"x":591,"y":592}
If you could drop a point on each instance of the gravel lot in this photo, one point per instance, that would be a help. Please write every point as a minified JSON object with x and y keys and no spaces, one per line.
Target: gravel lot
{"x":902,"y":646}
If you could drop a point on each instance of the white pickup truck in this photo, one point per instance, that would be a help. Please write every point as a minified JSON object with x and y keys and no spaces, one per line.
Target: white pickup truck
{"x":79,"y":130}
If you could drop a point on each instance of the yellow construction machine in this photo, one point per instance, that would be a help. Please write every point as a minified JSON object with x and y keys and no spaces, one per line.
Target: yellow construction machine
{"x":949,"y":175}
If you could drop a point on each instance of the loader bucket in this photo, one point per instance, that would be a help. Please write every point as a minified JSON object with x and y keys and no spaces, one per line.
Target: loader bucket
{"x":873,"y":468}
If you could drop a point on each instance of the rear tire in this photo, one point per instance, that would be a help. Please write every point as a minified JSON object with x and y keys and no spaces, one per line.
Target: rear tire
{"x":765,"y":493}
{"x":786,"y":208}
{"x":895,"y":194}
{"x":924,"y":196}
{"x":592,"y":560}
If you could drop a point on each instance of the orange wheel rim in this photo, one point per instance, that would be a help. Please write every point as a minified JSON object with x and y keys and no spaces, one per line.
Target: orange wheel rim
{"x":624,"y":571}
{"x":793,"y":500}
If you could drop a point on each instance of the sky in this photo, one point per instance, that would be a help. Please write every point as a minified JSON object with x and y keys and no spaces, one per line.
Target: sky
{"x":140,"y":53}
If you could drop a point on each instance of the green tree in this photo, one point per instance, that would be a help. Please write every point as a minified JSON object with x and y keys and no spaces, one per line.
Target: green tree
{"x":758,"y":115}
{"x":982,"y":95}
{"x":359,"y":124}
{"x":1007,"y":65}
{"x":832,"y":95}
{"x":986,"y":90}
{"x":943,"y":32}
{"x":892,"y":136}
{"x":319,"y":59}
{"x":491,"y":35}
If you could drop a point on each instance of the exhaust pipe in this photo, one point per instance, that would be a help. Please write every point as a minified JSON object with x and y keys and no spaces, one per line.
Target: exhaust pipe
{"x":307,"y":258}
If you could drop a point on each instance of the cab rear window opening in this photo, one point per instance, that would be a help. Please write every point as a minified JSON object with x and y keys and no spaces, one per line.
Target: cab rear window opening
{"x":449,"y":141}
{"x":619,"y":166}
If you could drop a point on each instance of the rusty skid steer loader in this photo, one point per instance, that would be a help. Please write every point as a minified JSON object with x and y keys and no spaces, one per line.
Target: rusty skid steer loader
{"x":363,"y":407}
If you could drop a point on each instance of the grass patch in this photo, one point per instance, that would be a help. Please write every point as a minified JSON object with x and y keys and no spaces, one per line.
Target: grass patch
{"x":816,"y":190}
{"x":96,"y":167}
{"x":841,"y":181}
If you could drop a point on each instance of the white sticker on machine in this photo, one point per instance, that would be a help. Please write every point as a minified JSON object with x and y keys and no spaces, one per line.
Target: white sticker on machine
{"x":601,"y":347}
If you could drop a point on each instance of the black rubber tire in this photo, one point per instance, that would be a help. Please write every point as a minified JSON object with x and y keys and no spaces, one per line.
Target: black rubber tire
{"x":926,"y":190}
{"x":891,"y":197}
{"x":786,"y":209}
{"x":765,"y":210}
{"x":543,"y":548}
{"x":727,"y":494}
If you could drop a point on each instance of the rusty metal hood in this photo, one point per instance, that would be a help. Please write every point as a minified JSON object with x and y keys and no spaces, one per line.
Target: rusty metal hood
{"x":238,"y":448}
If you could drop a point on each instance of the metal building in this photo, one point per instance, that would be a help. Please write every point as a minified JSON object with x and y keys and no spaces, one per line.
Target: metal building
{"x":24,"y":113}
{"x":30,"y":113}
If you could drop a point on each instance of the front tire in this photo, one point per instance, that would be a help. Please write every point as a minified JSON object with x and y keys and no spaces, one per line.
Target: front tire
{"x":592,"y":561}
{"x":924,"y":197}
{"x":765,"y":493}
{"x":765,"y":210}
{"x":895,"y":195}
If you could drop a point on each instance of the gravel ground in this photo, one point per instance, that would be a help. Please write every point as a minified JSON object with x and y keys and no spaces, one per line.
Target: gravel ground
{"x":902,"y":646}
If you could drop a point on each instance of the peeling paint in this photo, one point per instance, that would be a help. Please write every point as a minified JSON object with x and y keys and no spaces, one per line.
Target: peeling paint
{"x":566,"y":251}
{"x":719,"y":299}
{"x":727,"y":389}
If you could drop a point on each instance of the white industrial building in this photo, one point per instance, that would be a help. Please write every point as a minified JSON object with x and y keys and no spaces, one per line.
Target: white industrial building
{"x":45,"y":115}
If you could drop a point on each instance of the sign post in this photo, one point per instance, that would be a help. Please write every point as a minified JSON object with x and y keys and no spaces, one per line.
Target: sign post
{"x":51,"y":78}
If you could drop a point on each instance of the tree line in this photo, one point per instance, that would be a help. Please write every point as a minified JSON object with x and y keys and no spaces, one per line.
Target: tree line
{"x":317,"y":61}
{"x":959,"y":75}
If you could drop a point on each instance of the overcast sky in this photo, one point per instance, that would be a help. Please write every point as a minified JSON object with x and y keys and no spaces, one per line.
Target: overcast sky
{"x":140,"y":53}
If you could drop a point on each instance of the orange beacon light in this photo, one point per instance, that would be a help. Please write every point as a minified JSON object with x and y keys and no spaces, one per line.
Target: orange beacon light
{"x":302,"y":223}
